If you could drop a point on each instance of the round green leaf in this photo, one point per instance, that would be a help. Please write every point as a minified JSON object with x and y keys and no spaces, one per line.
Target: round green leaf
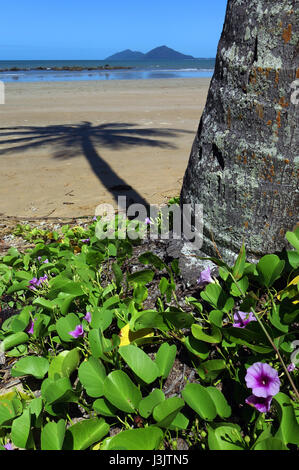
{"x":165,"y":358}
{"x":20,"y":429}
{"x":226,"y":437}
{"x":64,"y":364}
{"x":197,"y":397}
{"x":31,"y":365}
{"x":135,"y":439}
{"x":148,"y":403}
{"x":271,"y":443}
{"x":198,"y":333}
{"x":269,"y":268}
{"x":222,"y":407}
{"x":140,"y":363}
{"x":166,"y":411}
{"x":121,"y":391}
{"x":92,"y":374}
{"x":83,"y":434}
{"x":52,"y":435}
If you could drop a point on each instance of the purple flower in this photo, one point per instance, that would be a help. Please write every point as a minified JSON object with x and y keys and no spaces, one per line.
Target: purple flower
{"x":242,"y":319}
{"x":291,"y":367}
{"x":205,"y":277}
{"x":260,"y":403}
{"x":78,"y":332}
{"x":94,"y":218}
{"x":88,"y":317}
{"x":8,"y":446}
{"x":85,"y":240}
{"x":46,"y":261}
{"x":263,"y":380}
{"x":148,"y":221}
{"x":33,"y":283}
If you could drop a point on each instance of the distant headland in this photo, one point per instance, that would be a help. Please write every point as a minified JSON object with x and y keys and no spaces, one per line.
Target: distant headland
{"x":161,"y":52}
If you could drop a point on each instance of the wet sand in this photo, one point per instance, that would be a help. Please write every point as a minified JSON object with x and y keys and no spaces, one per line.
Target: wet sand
{"x":66,"y":147}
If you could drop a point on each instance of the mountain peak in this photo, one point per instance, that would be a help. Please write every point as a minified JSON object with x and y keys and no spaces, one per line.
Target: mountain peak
{"x":160,"y":52}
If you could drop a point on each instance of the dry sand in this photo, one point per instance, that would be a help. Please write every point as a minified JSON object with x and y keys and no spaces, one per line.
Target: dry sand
{"x":66,"y":147}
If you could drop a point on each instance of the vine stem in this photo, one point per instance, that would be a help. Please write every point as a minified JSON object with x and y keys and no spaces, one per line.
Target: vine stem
{"x":270,"y":341}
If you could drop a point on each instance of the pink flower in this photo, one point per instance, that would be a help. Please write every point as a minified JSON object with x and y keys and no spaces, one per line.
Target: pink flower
{"x":88,"y":317}
{"x":8,"y":446}
{"x":205,"y":277}
{"x":291,"y":367}
{"x":260,"y":403}
{"x":242,"y":319}
{"x":78,"y":332}
{"x":263,"y":380}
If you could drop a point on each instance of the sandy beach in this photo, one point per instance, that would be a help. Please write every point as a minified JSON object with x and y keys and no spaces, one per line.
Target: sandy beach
{"x":66,"y":147}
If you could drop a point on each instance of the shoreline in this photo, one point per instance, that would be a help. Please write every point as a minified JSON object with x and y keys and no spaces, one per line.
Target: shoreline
{"x":66,"y":147}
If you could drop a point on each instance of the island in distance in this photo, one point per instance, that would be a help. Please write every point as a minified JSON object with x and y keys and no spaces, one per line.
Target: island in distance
{"x":161,"y":52}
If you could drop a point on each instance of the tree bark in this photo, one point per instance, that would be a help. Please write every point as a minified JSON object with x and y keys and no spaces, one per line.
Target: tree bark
{"x":243,"y":166}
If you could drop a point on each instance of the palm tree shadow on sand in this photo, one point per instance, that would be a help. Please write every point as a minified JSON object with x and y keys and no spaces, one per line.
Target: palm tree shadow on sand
{"x":71,"y":140}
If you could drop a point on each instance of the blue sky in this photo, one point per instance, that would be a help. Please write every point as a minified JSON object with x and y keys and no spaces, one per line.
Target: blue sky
{"x":95,"y":29}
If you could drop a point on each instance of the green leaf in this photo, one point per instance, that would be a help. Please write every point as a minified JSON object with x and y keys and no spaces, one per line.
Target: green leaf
{"x":151,"y":258}
{"x":104,"y":408}
{"x":271,"y":443}
{"x":140,"y":363}
{"x":31,"y":365}
{"x":288,"y":431}
{"x":64,"y":364}
{"x":196,"y":347}
{"x":165,"y":358}
{"x":101,"y":318}
{"x":65,"y":325}
{"x":60,"y":390}
{"x":239,"y":288}
{"x":269,"y":269}
{"x":227,"y":437}
{"x":47,"y":304}
{"x":98,"y":344}
{"x":239,"y":266}
{"x":197,"y":397}
{"x":148,"y":403}
{"x":14,"y":340}
{"x":148,"y":319}
{"x":178,"y":318}
{"x":20,"y":430}
{"x":198,"y":333}
{"x":135,"y":439}
{"x":293,"y":238}
{"x":215,"y":295}
{"x":251,"y":336}
{"x":222,"y":407}
{"x":92,"y":374}
{"x":83,"y":434}
{"x":9,"y":409}
{"x":165,"y":412}
{"x":20,"y":322}
{"x":117,"y":273}
{"x":52,"y":435}
{"x":121,"y":391}
{"x":141,"y":277}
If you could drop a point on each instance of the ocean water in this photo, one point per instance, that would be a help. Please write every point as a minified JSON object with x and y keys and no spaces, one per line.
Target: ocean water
{"x":141,"y":70}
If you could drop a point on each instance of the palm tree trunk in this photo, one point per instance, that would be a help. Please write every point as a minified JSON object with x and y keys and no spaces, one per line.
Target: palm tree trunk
{"x":243,"y":166}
